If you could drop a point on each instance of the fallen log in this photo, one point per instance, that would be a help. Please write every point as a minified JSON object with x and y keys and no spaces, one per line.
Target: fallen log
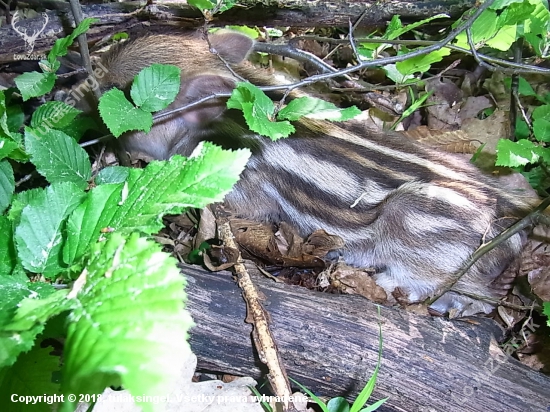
{"x":329,"y":343}
{"x":131,"y":16}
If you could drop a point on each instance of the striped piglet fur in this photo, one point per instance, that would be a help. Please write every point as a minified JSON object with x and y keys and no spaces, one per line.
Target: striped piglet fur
{"x":418,"y":213}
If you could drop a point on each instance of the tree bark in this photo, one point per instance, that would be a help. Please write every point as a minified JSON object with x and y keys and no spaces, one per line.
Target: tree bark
{"x":116,"y":17}
{"x":329,"y":343}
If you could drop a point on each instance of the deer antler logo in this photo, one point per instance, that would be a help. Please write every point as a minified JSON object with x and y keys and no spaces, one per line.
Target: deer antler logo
{"x":29,"y":39}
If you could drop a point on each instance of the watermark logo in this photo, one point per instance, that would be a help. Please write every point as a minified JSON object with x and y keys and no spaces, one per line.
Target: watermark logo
{"x":29,"y":39}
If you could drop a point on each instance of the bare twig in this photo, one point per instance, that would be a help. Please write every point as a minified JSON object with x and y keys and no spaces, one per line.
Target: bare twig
{"x":515,"y":103}
{"x":519,"y":67}
{"x":533,"y":218}
{"x":263,"y":338}
{"x":83,"y":44}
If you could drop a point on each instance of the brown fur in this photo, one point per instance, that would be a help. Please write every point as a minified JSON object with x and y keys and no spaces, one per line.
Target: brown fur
{"x":424,"y":211}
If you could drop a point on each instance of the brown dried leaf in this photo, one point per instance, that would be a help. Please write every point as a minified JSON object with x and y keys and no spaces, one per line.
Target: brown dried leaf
{"x":357,"y":281}
{"x":452,"y":142}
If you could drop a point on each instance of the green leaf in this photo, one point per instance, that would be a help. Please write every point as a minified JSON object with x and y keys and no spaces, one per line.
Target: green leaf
{"x":33,"y":84}
{"x":227,"y":4}
{"x":514,"y":154}
{"x":338,"y":404}
{"x":253,"y":32}
{"x":524,"y":88}
{"x":8,"y":257}
{"x":537,"y":177}
{"x":504,"y":38}
{"x":31,"y":375}
{"x":120,"y":115}
{"x":53,"y":115}
{"x":396,"y":76}
{"x":163,"y":187}
{"x":546,"y":311}
{"x":483,"y":29}
{"x":394,"y":30}
{"x":7,"y":147}
{"x":15,"y":118}
{"x":79,"y":126}
{"x":112,"y":174}
{"x":130,"y":321}
{"x":21,"y":200}
{"x":522,"y":129}
{"x":541,"y":123}
{"x":516,"y":13}
{"x":39,"y":236}
{"x":500,"y":4}
{"x":58,"y":157}
{"x":202,"y":4}
{"x":32,"y":311}
{"x":314,"y":108}
{"x":14,"y":290}
{"x":421,"y":63}
{"x":156,"y":87}
{"x":61,"y":46}
{"x":4,"y":128}
{"x":538,"y":20}
{"x":7,"y":185}
{"x":258,"y":111}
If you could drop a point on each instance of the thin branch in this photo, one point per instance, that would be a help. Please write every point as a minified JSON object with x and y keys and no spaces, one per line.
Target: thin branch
{"x":533,"y":218}
{"x":83,"y":44}
{"x":520,"y":67}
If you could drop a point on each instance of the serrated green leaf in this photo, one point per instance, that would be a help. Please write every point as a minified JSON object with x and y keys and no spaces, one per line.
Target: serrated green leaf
{"x":8,"y":257}
{"x":79,"y":126}
{"x":39,"y":236}
{"x":537,"y":177}
{"x":258,"y":111}
{"x":130,"y":322}
{"x":21,"y":200}
{"x":15,"y":118}
{"x":516,"y":13}
{"x":112,"y":174}
{"x":163,"y":187}
{"x":31,"y":375}
{"x":33,"y":84}
{"x":7,"y":147}
{"x":538,"y":20}
{"x":155,"y":87}
{"x":120,"y":115}
{"x":32,"y":311}
{"x":202,"y":4}
{"x":53,"y":115}
{"x":93,"y":217}
{"x":4,"y":129}
{"x":421,"y":63}
{"x":61,"y":46}
{"x":13,"y":290}
{"x":314,"y":108}
{"x":58,"y":157}
{"x":7,"y":185}
{"x":514,"y":154}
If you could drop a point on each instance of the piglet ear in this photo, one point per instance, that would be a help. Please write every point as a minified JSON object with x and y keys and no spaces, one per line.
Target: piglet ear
{"x":234,"y":47}
{"x":199,"y":87}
